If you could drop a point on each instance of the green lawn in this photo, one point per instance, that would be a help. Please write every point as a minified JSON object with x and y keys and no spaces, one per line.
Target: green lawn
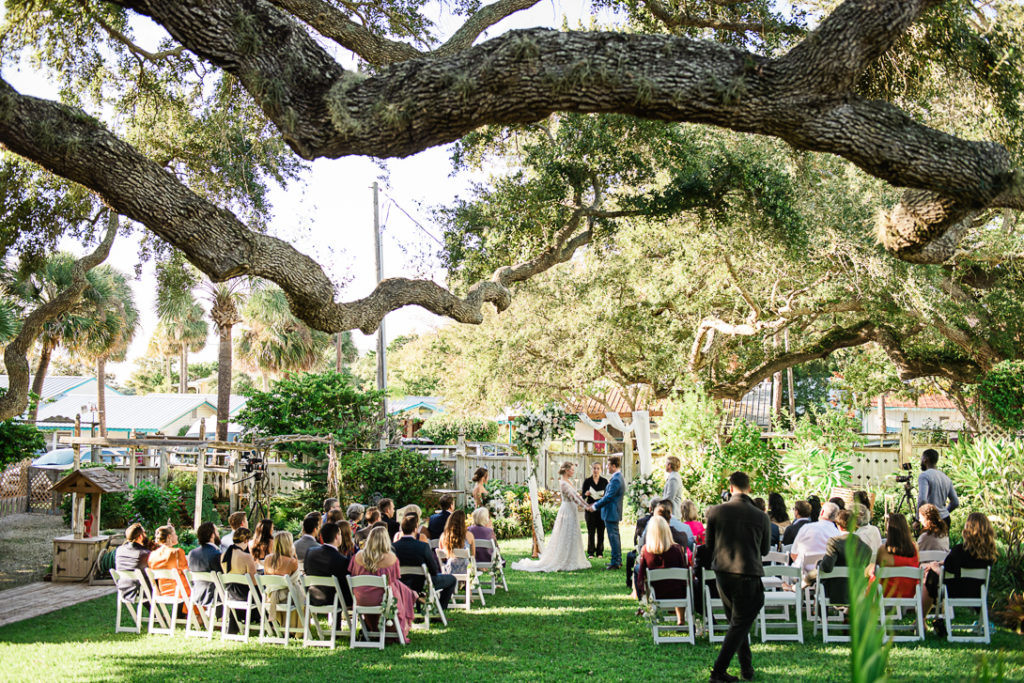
{"x":579,"y":626}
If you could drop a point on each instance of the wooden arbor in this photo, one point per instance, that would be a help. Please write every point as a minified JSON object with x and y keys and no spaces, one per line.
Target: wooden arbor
{"x":75,"y":555}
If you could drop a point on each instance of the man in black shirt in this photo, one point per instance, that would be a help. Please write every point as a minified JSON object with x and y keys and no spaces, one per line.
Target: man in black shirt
{"x":413,"y":552}
{"x":327,"y":560}
{"x":435,"y":527}
{"x":803,"y":516}
{"x":387,"y":515}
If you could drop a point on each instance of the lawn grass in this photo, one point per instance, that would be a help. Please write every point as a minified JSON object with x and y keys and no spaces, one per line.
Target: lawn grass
{"x":549,"y":627}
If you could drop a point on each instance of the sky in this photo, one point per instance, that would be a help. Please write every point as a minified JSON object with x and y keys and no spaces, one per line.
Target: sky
{"x":329,"y":213}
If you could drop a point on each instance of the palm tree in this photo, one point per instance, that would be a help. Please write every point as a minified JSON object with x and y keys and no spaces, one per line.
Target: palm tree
{"x":180,"y":313}
{"x":224,"y":298}
{"x":161,"y":344}
{"x":108,"y":335}
{"x":275,"y":342}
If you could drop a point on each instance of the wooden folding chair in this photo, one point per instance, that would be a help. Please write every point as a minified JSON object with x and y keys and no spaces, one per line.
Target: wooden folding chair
{"x":662,"y":611}
{"x":158,"y":602}
{"x":205,"y":615}
{"x":385,"y":611}
{"x":272,"y":590}
{"x":979,"y":603}
{"x":494,"y":569}
{"x":429,"y":592}
{"x":134,"y":607}
{"x":249,"y":605}
{"x":335,"y":612}
{"x":779,"y":598}
{"x":825,"y":619}
{"x":914,"y":603}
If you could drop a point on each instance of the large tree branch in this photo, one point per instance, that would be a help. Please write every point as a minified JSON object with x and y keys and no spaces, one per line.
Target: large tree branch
{"x":15,"y":400}
{"x":480,"y":21}
{"x":687,"y":20}
{"x":909,"y":367}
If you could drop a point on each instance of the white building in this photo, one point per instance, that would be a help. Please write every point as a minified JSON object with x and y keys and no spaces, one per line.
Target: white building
{"x":928,"y":411}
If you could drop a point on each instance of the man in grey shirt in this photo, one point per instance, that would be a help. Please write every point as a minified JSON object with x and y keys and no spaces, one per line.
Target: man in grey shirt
{"x":673,"y":486}
{"x":933,"y":486}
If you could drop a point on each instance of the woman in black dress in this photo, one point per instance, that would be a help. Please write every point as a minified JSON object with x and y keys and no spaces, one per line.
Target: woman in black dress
{"x":592,"y":490}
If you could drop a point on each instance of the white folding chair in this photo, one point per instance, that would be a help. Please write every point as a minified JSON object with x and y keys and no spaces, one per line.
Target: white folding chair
{"x":494,"y":569}
{"x":205,"y":615}
{"x":714,"y":611}
{"x":784,"y":627}
{"x":926,"y":556}
{"x":158,"y":602}
{"x":662,"y":611}
{"x":825,"y":619}
{"x":914,"y":603}
{"x":335,"y":612}
{"x":385,"y":611}
{"x":250,"y":604}
{"x":810,"y":559}
{"x":979,"y":603}
{"x":468,"y":581}
{"x":775,"y":557}
{"x":273,"y":590}
{"x":134,"y":607}
{"x":433,"y":597}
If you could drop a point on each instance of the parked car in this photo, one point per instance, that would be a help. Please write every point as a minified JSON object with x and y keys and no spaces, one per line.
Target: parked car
{"x":63,"y":458}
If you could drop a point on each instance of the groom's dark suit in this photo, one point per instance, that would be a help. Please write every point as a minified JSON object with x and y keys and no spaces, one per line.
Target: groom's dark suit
{"x":610,"y":507}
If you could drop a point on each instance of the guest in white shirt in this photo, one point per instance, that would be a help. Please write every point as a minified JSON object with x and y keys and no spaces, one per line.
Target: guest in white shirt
{"x":866,"y":531}
{"x":310,"y":530}
{"x":237,"y":520}
{"x":812,"y":539}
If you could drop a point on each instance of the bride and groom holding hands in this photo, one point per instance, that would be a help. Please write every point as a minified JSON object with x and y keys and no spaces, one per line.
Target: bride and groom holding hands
{"x":564,"y":551}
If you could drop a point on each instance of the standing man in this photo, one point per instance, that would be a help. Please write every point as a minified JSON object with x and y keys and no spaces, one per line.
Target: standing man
{"x":933,"y":486}
{"x":737,"y":536}
{"x":673,"y":486}
{"x":592,"y":490}
{"x":610,"y":506}
{"x":310,"y":531}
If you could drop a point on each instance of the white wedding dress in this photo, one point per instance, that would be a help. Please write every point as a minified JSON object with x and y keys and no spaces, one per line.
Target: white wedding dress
{"x":564,"y":551}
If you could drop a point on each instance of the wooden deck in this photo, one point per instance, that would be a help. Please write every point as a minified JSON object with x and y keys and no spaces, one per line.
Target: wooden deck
{"x":41,"y":597}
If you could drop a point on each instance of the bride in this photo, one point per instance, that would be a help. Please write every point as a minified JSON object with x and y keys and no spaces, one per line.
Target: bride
{"x":564,"y":551}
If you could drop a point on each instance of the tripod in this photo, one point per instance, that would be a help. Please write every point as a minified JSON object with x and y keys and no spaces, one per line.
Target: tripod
{"x":907,"y":499}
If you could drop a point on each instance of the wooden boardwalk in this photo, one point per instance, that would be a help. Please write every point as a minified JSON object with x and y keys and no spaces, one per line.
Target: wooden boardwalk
{"x":41,"y":597}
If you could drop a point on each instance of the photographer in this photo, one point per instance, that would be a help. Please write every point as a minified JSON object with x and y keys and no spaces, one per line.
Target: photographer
{"x":933,"y":486}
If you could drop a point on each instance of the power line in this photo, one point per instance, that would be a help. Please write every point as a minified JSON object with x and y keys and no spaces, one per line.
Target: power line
{"x":415,"y":222}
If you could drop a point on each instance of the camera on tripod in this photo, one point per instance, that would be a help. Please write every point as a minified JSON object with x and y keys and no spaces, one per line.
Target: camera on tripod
{"x":253,"y":465}
{"x":904,"y":478}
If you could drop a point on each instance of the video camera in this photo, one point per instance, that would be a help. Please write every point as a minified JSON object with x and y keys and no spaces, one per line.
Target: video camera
{"x":904,"y":478}
{"x":253,"y":465}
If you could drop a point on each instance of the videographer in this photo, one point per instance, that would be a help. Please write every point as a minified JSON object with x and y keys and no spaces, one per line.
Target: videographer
{"x":933,"y":486}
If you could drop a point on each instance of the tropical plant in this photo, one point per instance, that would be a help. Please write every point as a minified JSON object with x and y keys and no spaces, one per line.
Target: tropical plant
{"x":225,"y":298}
{"x":444,"y":428}
{"x":747,"y":451}
{"x":151,"y":505}
{"x":868,"y":653}
{"x":18,"y":441}
{"x":403,"y":475}
{"x":989,"y":477}
{"x":183,"y":323}
{"x":820,"y":455}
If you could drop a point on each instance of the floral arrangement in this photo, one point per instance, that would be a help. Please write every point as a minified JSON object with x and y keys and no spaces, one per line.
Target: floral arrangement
{"x":511,"y":514}
{"x":641,"y":490}
{"x":548,"y":424}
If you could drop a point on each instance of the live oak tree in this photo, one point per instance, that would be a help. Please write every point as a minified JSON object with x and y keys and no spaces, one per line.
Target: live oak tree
{"x":270,"y":67}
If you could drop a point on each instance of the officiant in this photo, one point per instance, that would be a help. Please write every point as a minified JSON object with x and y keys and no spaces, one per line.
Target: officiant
{"x":592,"y":490}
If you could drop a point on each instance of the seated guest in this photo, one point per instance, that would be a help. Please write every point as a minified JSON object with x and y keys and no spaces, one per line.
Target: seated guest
{"x":934,"y":535}
{"x":760,"y":504}
{"x":456,"y":536}
{"x":259,"y":546}
{"x":205,"y":558}
{"x":329,"y":504}
{"x":482,"y":528}
{"x":838,"y":502}
{"x":838,"y":554}
{"x":371,"y":520}
{"x":237,"y":560}
{"x":977,"y":551}
{"x":690,"y":517}
{"x":659,"y":552}
{"x":377,"y":559}
{"x":421,"y":530}
{"x":346,"y":546}
{"x":802,"y":511}
{"x":862,"y":498}
{"x":325,"y":560}
{"x":168,"y":556}
{"x":815,"y":504}
{"x":681,"y":533}
{"x":335,"y":516}
{"x":438,"y":520}
{"x":639,"y":536}
{"x":899,"y":551}
{"x":236,"y":520}
{"x":310,"y":530}
{"x":129,"y":556}
{"x":281,"y":561}
{"x":354,"y":515}
{"x":867,"y":531}
{"x":812,"y":539}
{"x":387,"y":515}
{"x":777,"y":511}
{"x":413,"y":552}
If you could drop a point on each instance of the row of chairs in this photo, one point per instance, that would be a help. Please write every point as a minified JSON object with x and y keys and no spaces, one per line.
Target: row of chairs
{"x":775,"y":623}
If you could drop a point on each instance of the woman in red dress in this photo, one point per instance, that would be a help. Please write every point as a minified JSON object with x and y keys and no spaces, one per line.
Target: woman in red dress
{"x":899,"y":551}
{"x":659,"y":552}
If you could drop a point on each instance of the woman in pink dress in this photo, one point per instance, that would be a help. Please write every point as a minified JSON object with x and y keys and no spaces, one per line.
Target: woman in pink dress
{"x":377,"y":559}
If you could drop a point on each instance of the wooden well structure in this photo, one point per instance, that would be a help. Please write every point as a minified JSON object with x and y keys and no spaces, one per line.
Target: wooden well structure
{"x":74,"y":556}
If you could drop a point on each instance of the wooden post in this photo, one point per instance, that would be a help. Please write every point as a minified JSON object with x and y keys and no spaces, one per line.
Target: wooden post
{"x":163,"y":465}
{"x":77,"y":500}
{"x":233,"y":496}
{"x":132,"y":458}
{"x":77,"y":448}
{"x":197,"y":517}
{"x":627,"y":456}
{"x":906,"y":444}
{"x":96,"y":514}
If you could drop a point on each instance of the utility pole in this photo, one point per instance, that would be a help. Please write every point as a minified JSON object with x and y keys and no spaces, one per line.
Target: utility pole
{"x":382,"y":367}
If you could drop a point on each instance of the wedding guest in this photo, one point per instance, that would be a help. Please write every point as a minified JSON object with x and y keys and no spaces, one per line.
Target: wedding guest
{"x":129,"y":556}
{"x":777,"y":511}
{"x":282,"y":560}
{"x":690,"y":516}
{"x":864,"y":499}
{"x":238,"y":560}
{"x":673,"y":491}
{"x":761,"y":505}
{"x":812,"y":538}
{"x":336,"y":516}
{"x":480,"y":489}
{"x":867,"y":531}
{"x":482,"y":528}
{"x":259,"y":546}
{"x":168,"y":556}
{"x":639,"y":537}
{"x":354,"y":514}
{"x":838,"y":554}
{"x":838,"y":502}
{"x":236,"y":520}
{"x":455,"y":536}
{"x":681,"y":533}
{"x":933,"y":486}
{"x":346,"y":545}
{"x":439,"y":519}
{"x":205,"y":558}
{"x":815,"y":504}
{"x":372,"y":519}
{"x":310,"y":531}
{"x":387,"y":515}
{"x":802,"y":511}
{"x":592,"y":490}
{"x":329,"y":504}
{"x":977,"y":551}
{"x":899,"y":551}
{"x":934,"y":535}
{"x":659,"y":552}
{"x":377,"y":559}
{"x":326,"y":560}
{"x":421,"y":531}
{"x":413,"y":552}
{"x":738,"y":536}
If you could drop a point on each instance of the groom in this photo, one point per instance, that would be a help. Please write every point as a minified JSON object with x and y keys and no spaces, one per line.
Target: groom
{"x":610,"y":506}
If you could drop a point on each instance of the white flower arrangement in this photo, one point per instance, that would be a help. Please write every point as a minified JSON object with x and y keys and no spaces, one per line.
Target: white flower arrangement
{"x":641,"y":490}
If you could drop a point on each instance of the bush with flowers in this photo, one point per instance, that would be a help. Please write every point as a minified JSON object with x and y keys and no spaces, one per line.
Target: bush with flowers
{"x":509,"y":505}
{"x":641,"y":490}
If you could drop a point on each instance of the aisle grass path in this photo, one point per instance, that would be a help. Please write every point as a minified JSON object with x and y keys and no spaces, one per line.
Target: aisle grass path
{"x":550,"y":627}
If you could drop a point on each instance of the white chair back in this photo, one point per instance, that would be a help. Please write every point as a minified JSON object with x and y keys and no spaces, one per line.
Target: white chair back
{"x":248,"y":605}
{"x":979,"y":630}
{"x":840,"y":631}
{"x":926,"y":556}
{"x":335,"y":612}
{"x":774,"y":620}
{"x":433,"y":598}
{"x":134,"y":607}
{"x":278,"y":596}
{"x":662,"y":611}
{"x":882,"y":574}
{"x":205,"y":615}
{"x":159,"y":602}
{"x":384,"y":610}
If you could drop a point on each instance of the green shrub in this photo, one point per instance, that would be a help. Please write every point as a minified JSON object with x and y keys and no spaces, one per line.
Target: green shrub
{"x":287,"y":512}
{"x":18,"y":441}
{"x":444,"y":429}
{"x":820,"y":455}
{"x":404,"y":476}
{"x":1002,"y":393}
{"x":151,"y":505}
{"x":182,"y":490}
{"x":511,"y":512}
